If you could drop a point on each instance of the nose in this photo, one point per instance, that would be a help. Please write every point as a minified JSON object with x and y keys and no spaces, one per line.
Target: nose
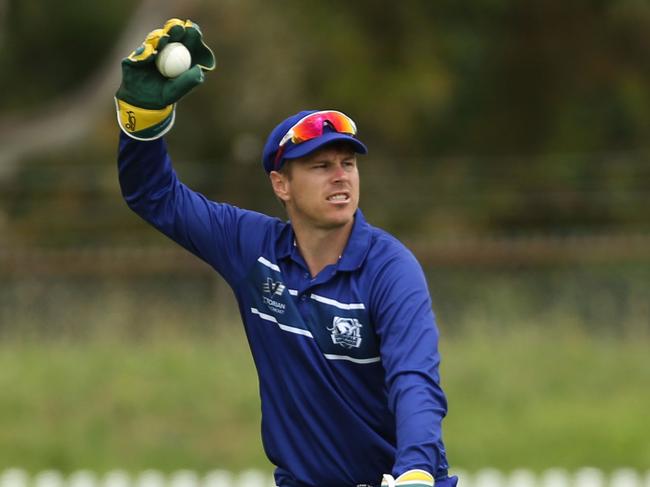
{"x":340,"y":173}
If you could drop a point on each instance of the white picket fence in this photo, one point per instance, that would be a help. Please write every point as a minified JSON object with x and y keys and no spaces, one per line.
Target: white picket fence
{"x":584,"y":477}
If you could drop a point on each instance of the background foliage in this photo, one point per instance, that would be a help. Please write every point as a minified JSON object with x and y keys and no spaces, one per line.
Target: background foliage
{"x":490,"y":116}
{"x":487,"y":121}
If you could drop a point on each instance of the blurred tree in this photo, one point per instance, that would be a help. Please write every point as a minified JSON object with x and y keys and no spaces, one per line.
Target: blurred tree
{"x":488,"y":116}
{"x":64,"y":65}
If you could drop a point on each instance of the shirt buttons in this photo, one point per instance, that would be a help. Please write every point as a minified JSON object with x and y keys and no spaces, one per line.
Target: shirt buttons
{"x":306,"y":275}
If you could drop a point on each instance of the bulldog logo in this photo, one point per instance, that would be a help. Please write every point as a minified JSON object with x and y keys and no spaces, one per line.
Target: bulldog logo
{"x":346,"y":332}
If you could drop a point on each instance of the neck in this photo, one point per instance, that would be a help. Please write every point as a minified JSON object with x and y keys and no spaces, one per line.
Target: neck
{"x":322,"y":247}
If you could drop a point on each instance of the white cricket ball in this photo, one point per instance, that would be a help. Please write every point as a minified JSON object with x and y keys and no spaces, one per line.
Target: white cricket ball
{"x":173,"y":60}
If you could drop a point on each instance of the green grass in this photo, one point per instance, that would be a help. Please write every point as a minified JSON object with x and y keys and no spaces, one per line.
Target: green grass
{"x":529,"y":397}
{"x":539,"y":398}
{"x":167,"y":404}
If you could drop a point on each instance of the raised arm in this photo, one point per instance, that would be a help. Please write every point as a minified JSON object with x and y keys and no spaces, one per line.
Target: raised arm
{"x":224,"y":236}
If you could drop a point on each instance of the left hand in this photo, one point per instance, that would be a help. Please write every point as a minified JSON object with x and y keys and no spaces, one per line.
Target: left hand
{"x":412,"y":478}
{"x":417,"y":478}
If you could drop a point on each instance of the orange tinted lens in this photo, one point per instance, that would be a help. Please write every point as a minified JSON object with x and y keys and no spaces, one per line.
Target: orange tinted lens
{"x":312,"y":126}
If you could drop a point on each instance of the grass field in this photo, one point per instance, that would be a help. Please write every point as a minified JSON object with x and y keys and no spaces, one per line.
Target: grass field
{"x":532,"y":397}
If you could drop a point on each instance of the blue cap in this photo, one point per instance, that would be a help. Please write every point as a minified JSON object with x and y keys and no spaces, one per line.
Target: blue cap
{"x":292,"y":151}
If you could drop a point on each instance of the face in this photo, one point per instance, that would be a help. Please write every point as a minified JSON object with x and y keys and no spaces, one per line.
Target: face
{"x":320,"y":190}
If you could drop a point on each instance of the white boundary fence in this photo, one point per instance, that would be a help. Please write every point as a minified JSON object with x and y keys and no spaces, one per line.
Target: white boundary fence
{"x":584,"y":477}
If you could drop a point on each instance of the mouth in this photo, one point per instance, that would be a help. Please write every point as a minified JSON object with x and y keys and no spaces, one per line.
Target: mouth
{"x":342,"y":197}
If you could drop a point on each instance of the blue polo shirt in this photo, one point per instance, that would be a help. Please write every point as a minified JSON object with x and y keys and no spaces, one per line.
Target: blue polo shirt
{"x":347,"y":360}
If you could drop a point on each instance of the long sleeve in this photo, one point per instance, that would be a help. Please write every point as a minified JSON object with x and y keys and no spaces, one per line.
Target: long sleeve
{"x":224,"y":236}
{"x":409,"y":352}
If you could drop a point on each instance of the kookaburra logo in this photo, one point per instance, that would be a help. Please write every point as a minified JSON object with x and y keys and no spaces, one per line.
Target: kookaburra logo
{"x":346,"y":332}
{"x":130,"y":125}
{"x":273,"y":287}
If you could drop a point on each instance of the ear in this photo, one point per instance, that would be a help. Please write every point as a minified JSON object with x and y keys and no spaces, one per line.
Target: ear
{"x":280,"y":184}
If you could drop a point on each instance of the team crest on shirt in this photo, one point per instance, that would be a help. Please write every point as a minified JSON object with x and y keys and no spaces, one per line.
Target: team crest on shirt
{"x":346,"y":332}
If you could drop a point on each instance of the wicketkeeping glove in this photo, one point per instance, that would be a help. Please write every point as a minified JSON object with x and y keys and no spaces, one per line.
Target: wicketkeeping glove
{"x":412,"y":478}
{"x":417,"y":478}
{"x":146,"y":100}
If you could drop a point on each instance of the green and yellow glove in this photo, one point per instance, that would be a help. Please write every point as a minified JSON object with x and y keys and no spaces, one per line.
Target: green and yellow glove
{"x":146,"y":100}
{"x":412,"y":478}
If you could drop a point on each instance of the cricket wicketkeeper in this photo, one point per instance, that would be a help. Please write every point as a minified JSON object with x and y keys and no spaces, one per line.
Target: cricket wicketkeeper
{"x":337,"y":312}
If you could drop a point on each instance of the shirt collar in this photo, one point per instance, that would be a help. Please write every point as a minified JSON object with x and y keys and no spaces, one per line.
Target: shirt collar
{"x":285,"y":241}
{"x":358,"y":244}
{"x":355,"y":250}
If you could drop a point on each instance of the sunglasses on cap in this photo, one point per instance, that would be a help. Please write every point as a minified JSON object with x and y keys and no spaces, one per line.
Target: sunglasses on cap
{"x":311,"y":126}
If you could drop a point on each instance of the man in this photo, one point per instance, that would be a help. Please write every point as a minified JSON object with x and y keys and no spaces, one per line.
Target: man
{"x":337,"y":312}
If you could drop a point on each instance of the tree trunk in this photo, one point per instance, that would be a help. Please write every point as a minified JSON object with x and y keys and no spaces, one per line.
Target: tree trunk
{"x":70,"y":117}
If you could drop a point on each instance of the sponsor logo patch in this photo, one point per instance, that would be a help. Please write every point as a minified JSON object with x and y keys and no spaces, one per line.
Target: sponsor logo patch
{"x":274,"y":288}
